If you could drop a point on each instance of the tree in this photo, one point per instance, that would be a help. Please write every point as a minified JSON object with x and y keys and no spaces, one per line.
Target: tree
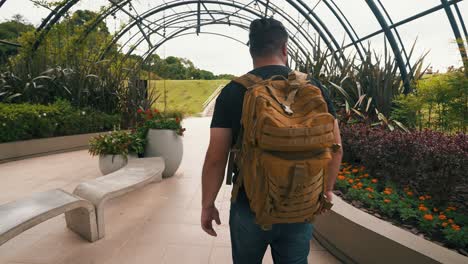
{"x":10,"y":31}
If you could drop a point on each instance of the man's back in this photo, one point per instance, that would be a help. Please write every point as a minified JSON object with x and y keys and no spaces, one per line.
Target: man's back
{"x":290,"y":243}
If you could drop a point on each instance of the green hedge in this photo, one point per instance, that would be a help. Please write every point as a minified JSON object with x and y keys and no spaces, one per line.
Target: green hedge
{"x":29,"y":121}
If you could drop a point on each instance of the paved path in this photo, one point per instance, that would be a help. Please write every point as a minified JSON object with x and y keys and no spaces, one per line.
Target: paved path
{"x":157,"y":224}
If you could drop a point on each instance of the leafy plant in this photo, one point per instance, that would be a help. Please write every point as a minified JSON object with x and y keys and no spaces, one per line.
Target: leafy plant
{"x":364,"y":89}
{"x":153,"y":119}
{"x":116,"y":143}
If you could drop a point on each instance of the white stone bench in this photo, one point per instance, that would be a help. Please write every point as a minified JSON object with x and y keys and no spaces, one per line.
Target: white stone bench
{"x":18,"y":216}
{"x":136,"y":174}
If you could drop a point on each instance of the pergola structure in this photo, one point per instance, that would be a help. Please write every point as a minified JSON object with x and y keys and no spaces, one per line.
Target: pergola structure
{"x":170,"y":19}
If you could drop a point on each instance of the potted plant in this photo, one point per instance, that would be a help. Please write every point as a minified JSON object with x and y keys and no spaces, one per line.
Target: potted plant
{"x":163,"y":138}
{"x":113,"y":149}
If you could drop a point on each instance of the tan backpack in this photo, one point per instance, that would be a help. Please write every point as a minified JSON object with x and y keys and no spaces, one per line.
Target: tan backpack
{"x":283,"y":149}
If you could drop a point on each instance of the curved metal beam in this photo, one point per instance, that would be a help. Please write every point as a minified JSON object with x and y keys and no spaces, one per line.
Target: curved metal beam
{"x":393,"y":44}
{"x":456,"y":32}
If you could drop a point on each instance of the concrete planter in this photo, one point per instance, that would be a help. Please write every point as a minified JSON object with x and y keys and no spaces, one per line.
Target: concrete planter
{"x":44,"y":146}
{"x":355,"y":236}
{"x":167,"y":144}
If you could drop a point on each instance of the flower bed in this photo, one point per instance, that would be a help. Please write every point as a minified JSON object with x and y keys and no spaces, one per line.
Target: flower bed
{"x":426,"y":161}
{"x":419,"y":214}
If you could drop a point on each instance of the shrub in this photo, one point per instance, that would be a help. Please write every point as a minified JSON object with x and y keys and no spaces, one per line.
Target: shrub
{"x":426,"y":161}
{"x":29,"y":121}
{"x":439,"y":103}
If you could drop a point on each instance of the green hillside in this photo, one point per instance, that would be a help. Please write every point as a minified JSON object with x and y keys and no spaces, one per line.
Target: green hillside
{"x":187,"y":96}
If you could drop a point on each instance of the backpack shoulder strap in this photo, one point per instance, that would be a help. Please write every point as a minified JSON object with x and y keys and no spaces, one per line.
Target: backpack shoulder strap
{"x":298,"y":76}
{"x":247,"y":80}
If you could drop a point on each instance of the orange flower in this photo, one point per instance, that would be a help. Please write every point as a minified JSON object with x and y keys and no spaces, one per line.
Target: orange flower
{"x":450,"y":220}
{"x":388,"y":192}
{"x":370,"y":196}
{"x":452,"y":208}
{"x":386,"y":200}
{"x":435,"y":209}
{"x":355,"y":170}
{"x":350,"y":180}
{"x":455,"y":227}
{"x":442,"y":217}
{"x":355,"y":187}
{"x":341,"y":177}
{"x":444,"y":224}
{"x":422,"y":208}
{"x":428,"y":217}
{"x":369,"y":189}
{"x":357,"y":179}
{"x":427,"y":197}
{"x":409,"y":193}
{"x":359,"y":184}
{"x":374,"y":180}
{"x":422,"y":198}
{"x":365,"y":175}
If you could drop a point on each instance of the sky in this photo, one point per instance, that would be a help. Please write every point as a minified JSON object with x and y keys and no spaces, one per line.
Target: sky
{"x":222,"y":55}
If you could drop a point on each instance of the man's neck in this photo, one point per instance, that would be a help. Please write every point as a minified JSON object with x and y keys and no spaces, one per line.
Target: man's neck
{"x":261,"y":62}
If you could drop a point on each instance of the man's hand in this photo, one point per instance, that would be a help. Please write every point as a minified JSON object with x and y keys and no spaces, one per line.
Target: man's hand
{"x":329,"y":197}
{"x":208,"y":215}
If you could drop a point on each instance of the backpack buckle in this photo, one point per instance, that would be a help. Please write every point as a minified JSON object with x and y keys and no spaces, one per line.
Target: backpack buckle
{"x":287,"y":109}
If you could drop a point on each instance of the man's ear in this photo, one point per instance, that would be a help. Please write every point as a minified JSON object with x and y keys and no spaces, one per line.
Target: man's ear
{"x":284,"y":49}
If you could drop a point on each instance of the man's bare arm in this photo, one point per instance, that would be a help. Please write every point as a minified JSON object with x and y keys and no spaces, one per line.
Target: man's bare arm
{"x":213,"y":175}
{"x":335,"y":162}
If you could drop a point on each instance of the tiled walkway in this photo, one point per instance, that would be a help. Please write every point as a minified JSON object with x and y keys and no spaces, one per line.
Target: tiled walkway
{"x":157,"y":224}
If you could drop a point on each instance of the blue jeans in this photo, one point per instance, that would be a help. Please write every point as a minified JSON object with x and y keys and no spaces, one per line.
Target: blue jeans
{"x":290,"y":243}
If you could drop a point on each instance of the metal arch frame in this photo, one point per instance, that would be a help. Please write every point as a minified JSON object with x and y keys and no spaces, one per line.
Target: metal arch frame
{"x":174,"y":22}
{"x":158,"y":9}
{"x":62,"y":9}
{"x":297,"y":42}
{"x":301,"y":7}
{"x":177,"y":34}
{"x":146,"y":55}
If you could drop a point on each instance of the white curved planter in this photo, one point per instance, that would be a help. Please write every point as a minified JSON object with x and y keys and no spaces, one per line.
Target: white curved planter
{"x":167,"y":144}
{"x":111,"y":163}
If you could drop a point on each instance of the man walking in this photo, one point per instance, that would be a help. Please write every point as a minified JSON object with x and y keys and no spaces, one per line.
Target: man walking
{"x":261,"y":215}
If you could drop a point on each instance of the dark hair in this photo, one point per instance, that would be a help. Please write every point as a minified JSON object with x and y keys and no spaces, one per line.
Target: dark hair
{"x":266,"y":37}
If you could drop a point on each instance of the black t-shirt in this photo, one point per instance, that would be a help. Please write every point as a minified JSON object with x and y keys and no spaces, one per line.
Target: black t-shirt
{"x":228,"y":107}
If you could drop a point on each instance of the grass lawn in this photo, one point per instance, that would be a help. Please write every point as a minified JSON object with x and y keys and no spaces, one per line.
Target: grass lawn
{"x":186,"y":96}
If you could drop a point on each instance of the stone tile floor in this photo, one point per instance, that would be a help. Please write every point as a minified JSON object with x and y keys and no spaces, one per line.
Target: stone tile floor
{"x":156,"y":224}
